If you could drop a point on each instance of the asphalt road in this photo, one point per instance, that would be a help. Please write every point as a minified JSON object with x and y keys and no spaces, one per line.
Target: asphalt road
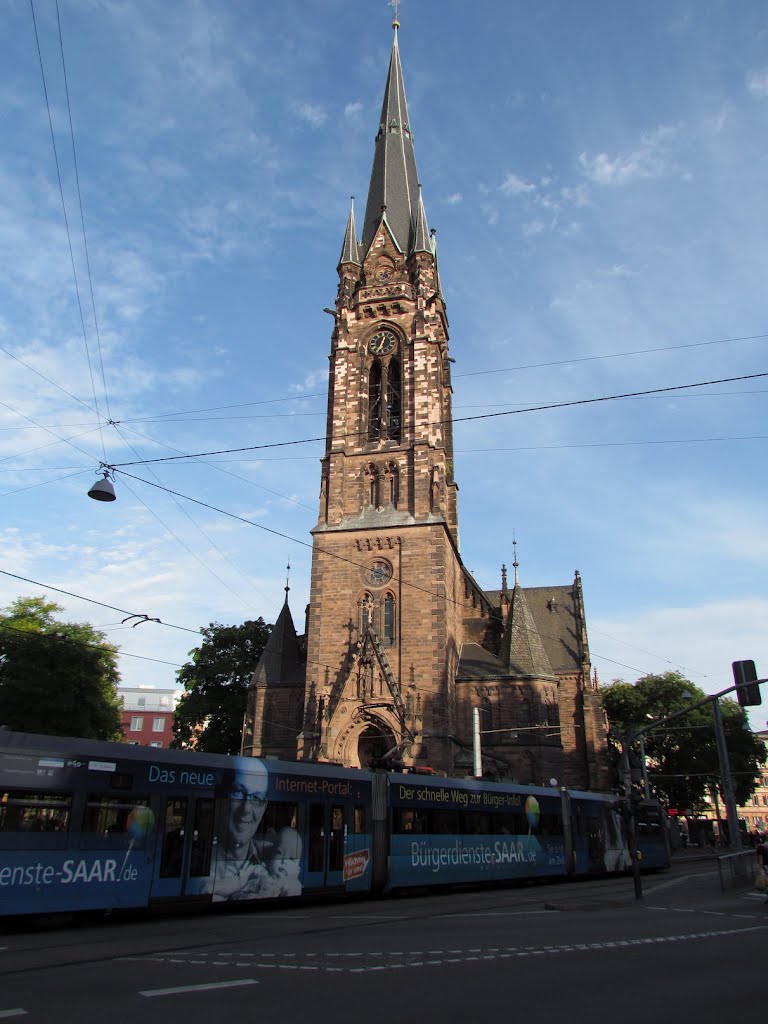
{"x":579,"y":952}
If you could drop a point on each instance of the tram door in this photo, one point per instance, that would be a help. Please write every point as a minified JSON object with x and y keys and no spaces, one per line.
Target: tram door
{"x":185,"y":845}
{"x":325,"y":846}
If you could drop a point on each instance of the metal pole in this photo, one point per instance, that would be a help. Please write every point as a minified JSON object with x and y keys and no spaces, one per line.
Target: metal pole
{"x":726,"y":780}
{"x":626,"y":772}
{"x":477,"y":756}
{"x":644,"y":766}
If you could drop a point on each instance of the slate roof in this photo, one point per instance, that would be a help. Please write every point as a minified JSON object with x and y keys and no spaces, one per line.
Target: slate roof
{"x":555,"y":613}
{"x":394,"y":184}
{"x":282,"y":662}
{"x":523,"y":652}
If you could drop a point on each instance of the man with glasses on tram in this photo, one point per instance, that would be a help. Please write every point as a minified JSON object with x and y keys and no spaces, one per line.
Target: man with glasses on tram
{"x":253,"y":864}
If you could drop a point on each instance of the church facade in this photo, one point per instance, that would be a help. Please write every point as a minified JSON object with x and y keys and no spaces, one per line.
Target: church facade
{"x":400,"y":643}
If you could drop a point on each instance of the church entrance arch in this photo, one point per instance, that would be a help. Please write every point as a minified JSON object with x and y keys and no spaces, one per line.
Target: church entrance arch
{"x":374,"y":741}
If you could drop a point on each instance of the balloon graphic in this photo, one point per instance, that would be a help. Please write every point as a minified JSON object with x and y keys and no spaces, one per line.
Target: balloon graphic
{"x":141,"y":822}
{"x":532,"y":811}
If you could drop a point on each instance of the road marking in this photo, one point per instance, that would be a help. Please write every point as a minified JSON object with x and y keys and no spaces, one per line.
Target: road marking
{"x":18,"y":1012}
{"x":179,"y":989}
{"x":423,"y":958}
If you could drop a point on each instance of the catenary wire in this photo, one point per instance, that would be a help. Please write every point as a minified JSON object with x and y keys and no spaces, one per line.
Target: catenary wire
{"x":462,"y":419}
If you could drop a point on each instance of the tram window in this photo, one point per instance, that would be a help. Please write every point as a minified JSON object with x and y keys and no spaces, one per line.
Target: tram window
{"x":507,"y":824}
{"x":202,"y":839}
{"x":358,"y":820}
{"x":27,"y":811}
{"x":109,"y":815}
{"x":277,"y":816}
{"x":476,"y":823}
{"x":173,"y":840}
{"x":336,"y":846}
{"x":550,"y":825}
{"x":445,"y":823}
{"x":406,"y":820}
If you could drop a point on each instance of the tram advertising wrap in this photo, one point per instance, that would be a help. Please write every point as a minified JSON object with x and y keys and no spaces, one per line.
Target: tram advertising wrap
{"x":91,"y":826}
{"x":452,"y":833}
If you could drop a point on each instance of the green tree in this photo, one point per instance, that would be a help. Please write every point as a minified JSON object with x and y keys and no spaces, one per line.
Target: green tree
{"x":682,"y":760}
{"x":209,"y":715}
{"x":58,"y":678}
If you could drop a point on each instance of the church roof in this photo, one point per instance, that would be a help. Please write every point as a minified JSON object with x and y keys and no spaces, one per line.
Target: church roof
{"x":523,"y":650}
{"x":281,"y":661}
{"x":394,"y":185}
{"x":556,"y":615}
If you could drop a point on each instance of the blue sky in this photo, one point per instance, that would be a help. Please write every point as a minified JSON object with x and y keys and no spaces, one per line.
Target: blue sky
{"x":596,"y":175}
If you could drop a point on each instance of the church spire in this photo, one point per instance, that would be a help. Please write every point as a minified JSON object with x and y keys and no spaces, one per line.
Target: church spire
{"x":350,"y":252}
{"x":422,"y":240}
{"x":394,"y":180}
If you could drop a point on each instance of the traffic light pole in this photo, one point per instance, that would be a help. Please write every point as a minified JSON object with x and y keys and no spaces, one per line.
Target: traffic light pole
{"x":726,"y":779}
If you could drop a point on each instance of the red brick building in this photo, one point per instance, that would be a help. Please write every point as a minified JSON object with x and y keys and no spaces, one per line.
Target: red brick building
{"x":147,"y":716}
{"x":401,"y":643}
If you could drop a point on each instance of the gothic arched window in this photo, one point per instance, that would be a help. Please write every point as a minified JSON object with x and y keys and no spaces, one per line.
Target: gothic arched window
{"x":371,"y":486}
{"x":391,"y":484}
{"x":394,"y":400}
{"x":366,"y":613}
{"x":374,"y":401}
{"x":389,"y":619}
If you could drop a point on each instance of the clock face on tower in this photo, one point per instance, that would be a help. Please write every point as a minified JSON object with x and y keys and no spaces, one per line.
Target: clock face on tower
{"x":382,"y":343}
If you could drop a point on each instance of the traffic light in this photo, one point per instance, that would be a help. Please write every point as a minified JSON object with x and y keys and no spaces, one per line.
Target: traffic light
{"x":747,"y":689}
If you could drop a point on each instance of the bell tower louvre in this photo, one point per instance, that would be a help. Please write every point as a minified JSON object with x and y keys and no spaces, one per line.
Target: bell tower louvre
{"x":401,"y":642}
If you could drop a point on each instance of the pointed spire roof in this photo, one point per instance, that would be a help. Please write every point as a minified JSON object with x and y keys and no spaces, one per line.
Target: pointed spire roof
{"x":523,"y":651}
{"x":280,"y":661}
{"x":350,"y":252}
{"x":394,"y":180}
{"x":422,"y":242}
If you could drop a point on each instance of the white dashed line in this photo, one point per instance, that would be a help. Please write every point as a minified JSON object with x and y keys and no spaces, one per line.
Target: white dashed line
{"x":179,"y":989}
{"x":378,"y":960}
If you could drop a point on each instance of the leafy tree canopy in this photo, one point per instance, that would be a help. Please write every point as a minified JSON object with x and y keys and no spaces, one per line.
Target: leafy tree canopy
{"x":681,"y":757}
{"x":209,"y":715}
{"x":58,"y":678}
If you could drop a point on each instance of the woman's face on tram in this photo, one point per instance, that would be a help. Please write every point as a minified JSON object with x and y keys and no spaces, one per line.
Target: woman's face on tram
{"x":247,"y":803}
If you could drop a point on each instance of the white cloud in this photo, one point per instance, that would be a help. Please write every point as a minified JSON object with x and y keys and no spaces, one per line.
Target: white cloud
{"x":352,"y":109}
{"x":513,"y":185}
{"x":650,"y":160}
{"x":455,"y":197}
{"x":757,"y":83}
{"x":312,"y":113}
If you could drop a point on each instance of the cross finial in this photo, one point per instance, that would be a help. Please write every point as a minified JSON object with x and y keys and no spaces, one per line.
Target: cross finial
{"x":287,"y":579}
{"x":395,"y":20}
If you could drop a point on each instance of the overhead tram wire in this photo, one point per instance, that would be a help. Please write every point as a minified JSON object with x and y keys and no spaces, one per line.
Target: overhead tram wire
{"x":102,"y":604}
{"x":610,"y":355}
{"x":188,"y":549}
{"x":227,"y":472}
{"x":66,"y":223}
{"x":82,"y":224}
{"x":463,"y":419}
{"x":168,"y":416}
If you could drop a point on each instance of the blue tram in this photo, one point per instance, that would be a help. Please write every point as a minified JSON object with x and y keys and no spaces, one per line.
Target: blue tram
{"x":90,"y":826}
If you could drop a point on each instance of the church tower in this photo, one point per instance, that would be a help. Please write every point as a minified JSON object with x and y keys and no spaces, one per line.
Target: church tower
{"x":383,"y":619}
{"x":401,"y":644}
